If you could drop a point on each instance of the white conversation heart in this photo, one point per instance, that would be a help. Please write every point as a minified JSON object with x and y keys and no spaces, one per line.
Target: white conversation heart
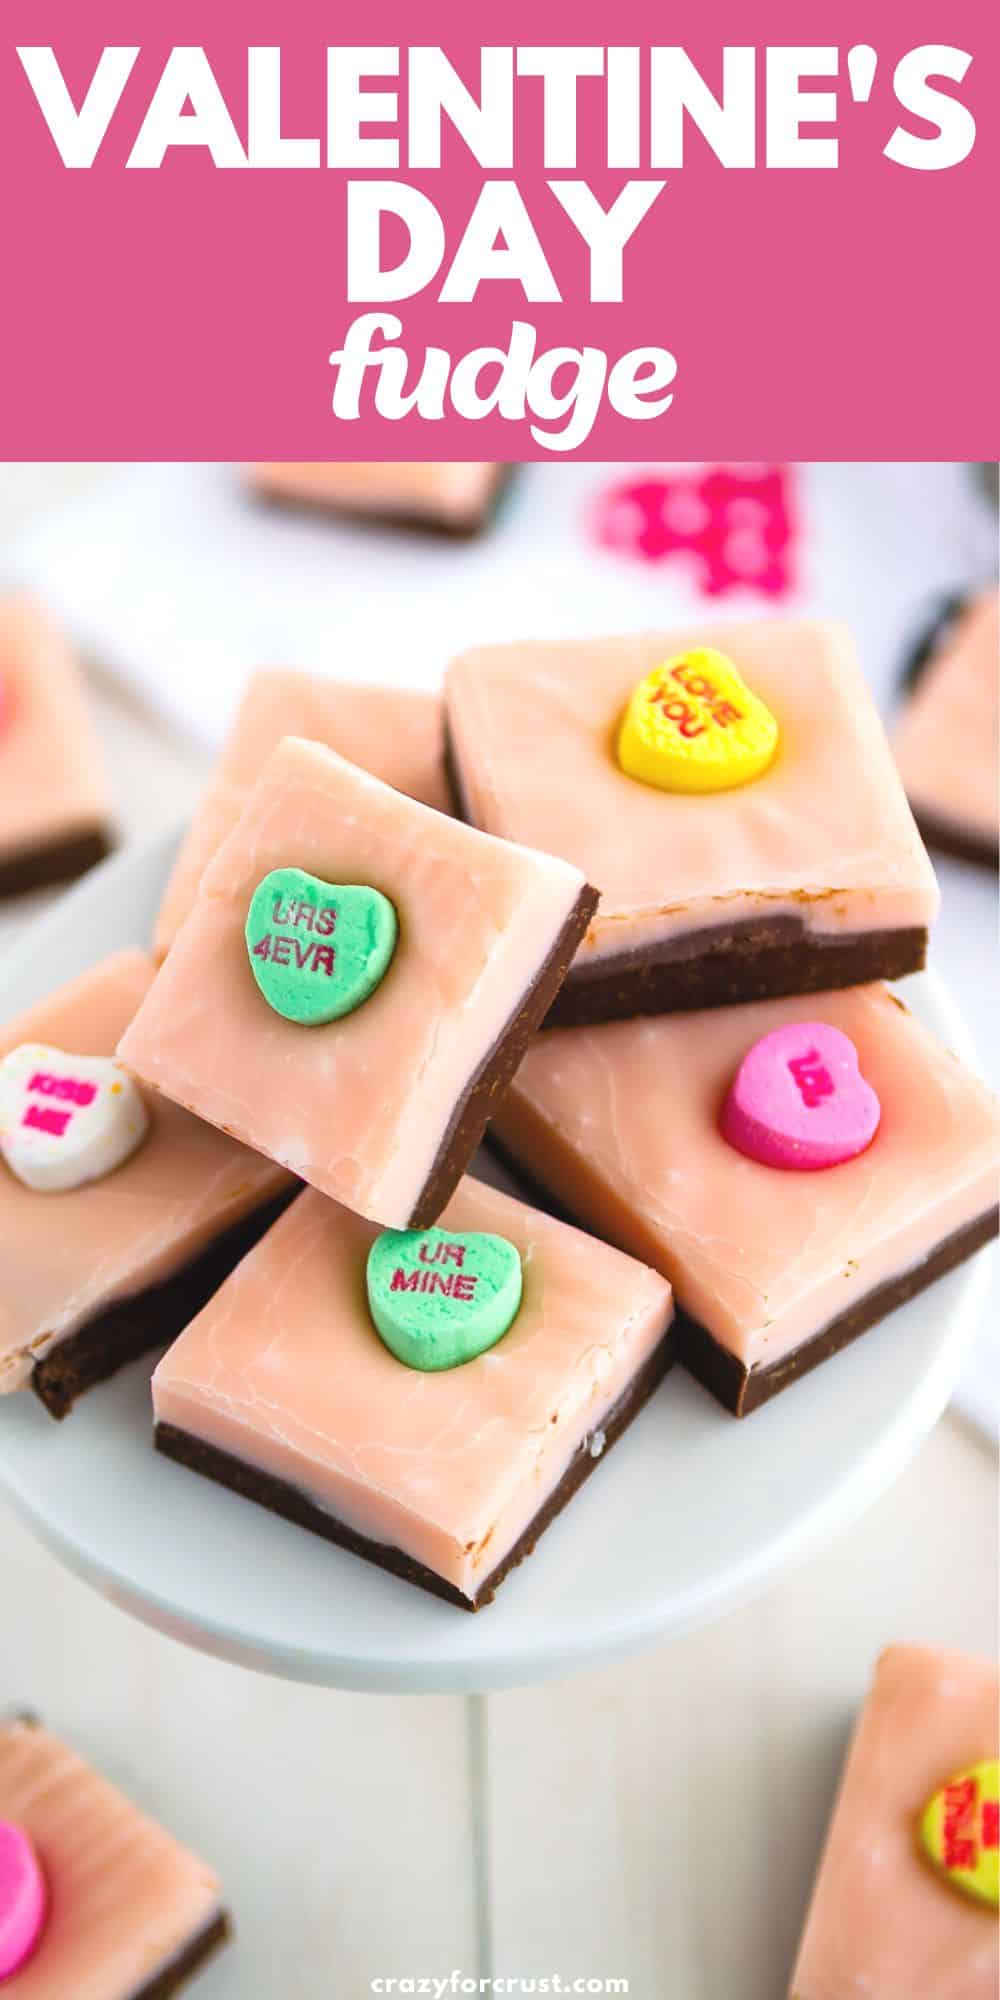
{"x":66,"y":1120}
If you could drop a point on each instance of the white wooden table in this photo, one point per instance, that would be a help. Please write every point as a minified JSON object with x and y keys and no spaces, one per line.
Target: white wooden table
{"x":656,"y":1822}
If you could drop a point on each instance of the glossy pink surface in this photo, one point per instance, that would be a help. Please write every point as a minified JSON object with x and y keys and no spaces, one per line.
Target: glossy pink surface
{"x":533,"y":727}
{"x":882,"y":1925}
{"x":396,"y":734}
{"x":52,"y":780}
{"x":124,"y":1897}
{"x":622,"y":1123}
{"x":286,"y":1371}
{"x":65,"y":1256}
{"x":362,"y":1106}
{"x":946,"y":742}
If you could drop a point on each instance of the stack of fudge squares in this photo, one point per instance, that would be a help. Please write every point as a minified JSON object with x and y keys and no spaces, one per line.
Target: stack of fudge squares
{"x":622,"y":906}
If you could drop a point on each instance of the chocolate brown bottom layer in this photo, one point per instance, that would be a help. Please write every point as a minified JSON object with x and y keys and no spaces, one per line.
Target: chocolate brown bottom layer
{"x":169,"y":1980}
{"x":151,"y":1318}
{"x":718,"y":965}
{"x":282,"y":1498}
{"x":474,"y":1109}
{"x":412,"y":522}
{"x":723,"y":965}
{"x":946,"y":838}
{"x":743,"y":1389}
{"x":52,"y":862}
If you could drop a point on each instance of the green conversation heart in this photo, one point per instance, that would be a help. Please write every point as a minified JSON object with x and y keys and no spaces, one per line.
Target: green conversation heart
{"x":318,"y":950}
{"x":439,"y":1298}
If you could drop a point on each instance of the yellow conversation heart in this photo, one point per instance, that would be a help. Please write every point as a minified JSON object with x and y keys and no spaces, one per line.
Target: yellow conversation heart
{"x":959,"y":1832}
{"x":693,"y":725}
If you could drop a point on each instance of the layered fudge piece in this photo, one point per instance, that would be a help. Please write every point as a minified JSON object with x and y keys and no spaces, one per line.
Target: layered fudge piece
{"x":946,"y":741}
{"x":97,"y":1902}
{"x":730,"y":792}
{"x":905,"y":1900}
{"x":119,"y":1213}
{"x":356,"y":984}
{"x":54,"y":802}
{"x":795,"y":1168}
{"x":396,"y":734}
{"x":428,"y":1399}
{"x":456,"y":499}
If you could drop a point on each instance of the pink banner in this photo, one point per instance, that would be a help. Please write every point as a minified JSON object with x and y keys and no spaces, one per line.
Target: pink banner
{"x":679,"y":243}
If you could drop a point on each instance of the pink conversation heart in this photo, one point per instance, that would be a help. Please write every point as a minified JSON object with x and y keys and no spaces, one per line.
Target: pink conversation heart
{"x":799,"y":1100}
{"x":22,"y":1898}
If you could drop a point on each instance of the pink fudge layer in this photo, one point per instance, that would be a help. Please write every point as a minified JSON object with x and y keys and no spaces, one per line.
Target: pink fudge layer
{"x":52,"y":782}
{"x":396,"y":735}
{"x":124,"y":1898}
{"x":882,"y":1926}
{"x":533,"y":730}
{"x":365,"y":1107}
{"x":285,"y":1371}
{"x":68,"y":1256}
{"x":946,"y":742}
{"x":451,"y":494}
{"x":621,"y":1123}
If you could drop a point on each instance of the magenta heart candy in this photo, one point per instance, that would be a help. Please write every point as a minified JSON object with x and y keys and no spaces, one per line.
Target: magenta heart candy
{"x":22,"y":1898}
{"x":799,"y":1100}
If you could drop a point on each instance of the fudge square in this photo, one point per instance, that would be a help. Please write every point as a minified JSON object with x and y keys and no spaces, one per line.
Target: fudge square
{"x":96,"y":1274}
{"x":101,"y":1903}
{"x":397,"y":735}
{"x":448,"y":948}
{"x":800,"y":869}
{"x":454,"y":498}
{"x":946,"y":740}
{"x":886,"y":1920}
{"x":774,"y":1266}
{"x":54,"y":801}
{"x":284,"y":1389}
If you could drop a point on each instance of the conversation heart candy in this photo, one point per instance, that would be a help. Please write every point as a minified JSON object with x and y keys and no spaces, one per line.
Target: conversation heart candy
{"x":318,"y":950}
{"x":439,"y":1299}
{"x":66,"y":1120}
{"x":799,"y":1101}
{"x":959,"y":1832}
{"x":693,"y":725}
{"x":23,"y":1898}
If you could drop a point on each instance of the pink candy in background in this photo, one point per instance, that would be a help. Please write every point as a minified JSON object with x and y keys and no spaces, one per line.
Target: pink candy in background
{"x":799,"y":1100}
{"x":734,"y":524}
{"x":22,"y":1898}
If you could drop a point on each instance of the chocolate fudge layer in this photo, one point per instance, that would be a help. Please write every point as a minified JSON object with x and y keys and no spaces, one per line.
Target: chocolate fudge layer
{"x":707,"y":897}
{"x":884,"y":1921}
{"x":396,"y":734}
{"x":382,"y":1106}
{"x":285,"y":1390}
{"x":947,"y":740}
{"x":772,"y":1269}
{"x":447,"y":497}
{"x":98,"y":1273}
{"x":130,"y":1914}
{"x":54,"y":799}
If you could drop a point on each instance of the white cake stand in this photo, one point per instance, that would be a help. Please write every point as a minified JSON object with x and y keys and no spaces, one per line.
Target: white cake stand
{"x":691,"y":1514}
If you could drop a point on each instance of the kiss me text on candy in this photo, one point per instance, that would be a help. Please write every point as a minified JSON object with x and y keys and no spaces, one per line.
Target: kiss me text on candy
{"x":44,"y":1117}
